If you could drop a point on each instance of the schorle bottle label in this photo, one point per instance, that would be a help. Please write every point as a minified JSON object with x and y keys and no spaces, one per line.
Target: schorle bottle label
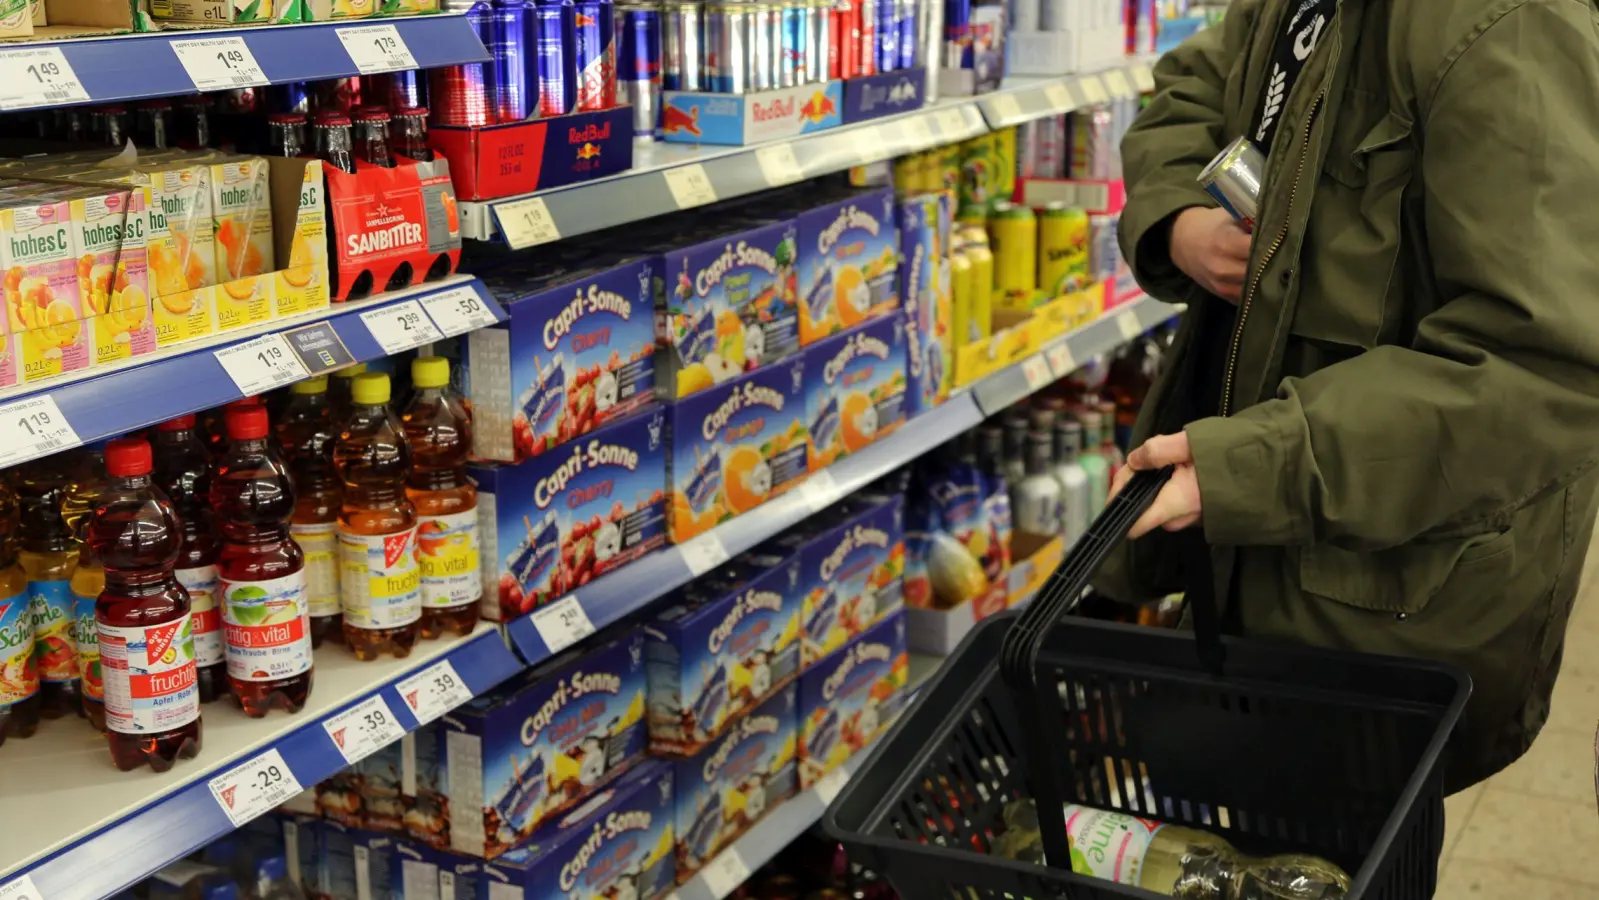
{"x":267,"y":632}
{"x":320,"y":544}
{"x":380,"y":582}
{"x":150,"y":677}
{"x":19,"y":677}
{"x":1109,"y":845}
{"x":447,"y":551}
{"x":55,"y":652}
{"x":201,"y":583}
{"x":86,"y":631}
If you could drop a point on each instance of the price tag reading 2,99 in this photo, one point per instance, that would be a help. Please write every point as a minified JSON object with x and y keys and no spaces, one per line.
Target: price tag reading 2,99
{"x":400,"y":327}
{"x":377,"y":48}
{"x":219,"y":63}
{"x":458,"y":310}
{"x":262,"y":364}
{"x":38,"y":76}
{"x":258,"y":786}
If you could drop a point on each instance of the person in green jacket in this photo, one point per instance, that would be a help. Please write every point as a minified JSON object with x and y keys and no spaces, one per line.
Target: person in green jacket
{"x":1383,"y":404}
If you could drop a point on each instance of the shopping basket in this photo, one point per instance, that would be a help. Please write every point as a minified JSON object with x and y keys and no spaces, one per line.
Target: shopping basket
{"x":1276,"y":747}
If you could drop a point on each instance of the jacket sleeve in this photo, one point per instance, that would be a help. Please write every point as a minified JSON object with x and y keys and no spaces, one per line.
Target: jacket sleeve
{"x":1496,"y":401}
{"x":1171,"y":142}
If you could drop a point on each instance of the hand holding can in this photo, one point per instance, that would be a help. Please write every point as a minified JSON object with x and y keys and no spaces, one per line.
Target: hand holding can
{"x":1234,"y":179}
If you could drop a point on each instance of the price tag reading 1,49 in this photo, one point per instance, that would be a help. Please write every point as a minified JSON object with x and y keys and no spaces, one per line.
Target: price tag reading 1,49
{"x":364,"y":728}
{"x":458,"y":310}
{"x":38,"y":76}
{"x":433,"y":691}
{"x":219,"y":63}
{"x":377,"y":48}
{"x":401,"y":327}
{"x":562,"y":623}
{"x":262,"y":364}
{"x":258,"y":786}
{"x":33,"y":427}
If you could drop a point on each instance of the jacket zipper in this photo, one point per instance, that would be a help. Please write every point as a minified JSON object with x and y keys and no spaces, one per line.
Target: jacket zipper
{"x":1265,"y":261}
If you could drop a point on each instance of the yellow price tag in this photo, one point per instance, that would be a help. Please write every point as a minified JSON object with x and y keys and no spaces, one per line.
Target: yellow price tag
{"x":1060,"y":99}
{"x":1144,"y":78}
{"x":1005,"y":108}
{"x":778,"y":165}
{"x":1116,"y":82}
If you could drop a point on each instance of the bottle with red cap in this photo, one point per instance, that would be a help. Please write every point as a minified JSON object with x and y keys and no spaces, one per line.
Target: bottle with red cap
{"x":265,"y":607}
{"x":330,"y":133}
{"x":152,"y":704}
{"x":409,"y":134}
{"x":183,"y":472}
{"x":372,"y":136}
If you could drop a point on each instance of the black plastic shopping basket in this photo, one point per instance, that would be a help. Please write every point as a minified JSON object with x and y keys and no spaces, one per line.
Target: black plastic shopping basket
{"x":1274,"y":746}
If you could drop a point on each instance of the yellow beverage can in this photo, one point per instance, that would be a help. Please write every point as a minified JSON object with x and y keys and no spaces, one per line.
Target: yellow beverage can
{"x":944,"y":168}
{"x":960,"y":289}
{"x":976,"y":161}
{"x":1062,"y":249}
{"x":1013,"y":237}
{"x":982,"y":260}
{"x":910,"y":174}
{"x":1002,"y":173}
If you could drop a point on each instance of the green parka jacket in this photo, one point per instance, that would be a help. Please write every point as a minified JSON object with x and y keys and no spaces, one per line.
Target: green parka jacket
{"x":1404,"y":457}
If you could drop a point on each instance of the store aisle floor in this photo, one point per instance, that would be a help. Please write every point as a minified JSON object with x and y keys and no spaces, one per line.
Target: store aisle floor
{"x":1531,"y":832}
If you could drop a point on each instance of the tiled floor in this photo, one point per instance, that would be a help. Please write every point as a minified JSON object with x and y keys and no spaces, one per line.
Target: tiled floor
{"x":1532,"y":832}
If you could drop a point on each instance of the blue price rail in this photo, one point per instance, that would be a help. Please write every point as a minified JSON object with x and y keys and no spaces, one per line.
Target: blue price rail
{"x":138,"y":66}
{"x":190,"y":378}
{"x":80,"y":830}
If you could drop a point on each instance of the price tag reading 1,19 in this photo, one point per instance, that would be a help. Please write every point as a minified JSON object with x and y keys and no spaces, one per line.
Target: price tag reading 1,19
{"x":216,"y":64}
{"x":690,"y":186}
{"x":377,"y":48}
{"x":725,"y":873}
{"x":458,"y":310}
{"x":258,"y":786}
{"x":262,"y":364}
{"x":401,"y":327}
{"x":703,"y":553}
{"x":433,"y":691}
{"x":778,"y":165}
{"x":32,"y":428}
{"x":38,"y":77}
{"x":562,"y":623}
{"x":364,"y":728}
{"x":526,"y":223}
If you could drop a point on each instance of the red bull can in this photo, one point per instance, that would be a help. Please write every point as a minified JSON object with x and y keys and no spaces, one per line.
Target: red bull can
{"x":957,"y":34}
{"x":515,"y":72}
{"x":728,"y":28}
{"x":554,"y":34}
{"x":594,"y":43}
{"x":886,"y":47}
{"x":682,"y":46}
{"x":398,"y":90}
{"x":464,"y":95}
{"x":796,"y":32}
{"x":638,"y":67}
{"x":766,"y":43}
{"x":818,"y":40}
{"x":907,"y":34}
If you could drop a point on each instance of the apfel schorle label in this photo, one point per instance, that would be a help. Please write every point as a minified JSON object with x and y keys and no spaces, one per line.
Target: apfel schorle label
{"x":379,"y":580}
{"x":265,"y":627}
{"x":149,"y":677}
{"x":86,"y":631}
{"x":19,"y":678}
{"x":55,"y":653}
{"x":447,"y":551}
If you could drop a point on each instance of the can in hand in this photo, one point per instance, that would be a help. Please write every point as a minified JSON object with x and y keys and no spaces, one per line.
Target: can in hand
{"x":1234,"y":178}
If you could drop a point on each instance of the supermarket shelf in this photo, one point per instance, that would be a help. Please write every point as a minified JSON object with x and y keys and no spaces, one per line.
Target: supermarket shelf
{"x":1023,"y":98}
{"x":135,"y":66}
{"x":1109,"y":331}
{"x":647,"y":189}
{"x":192,"y":377}
{"x":81,"y":830}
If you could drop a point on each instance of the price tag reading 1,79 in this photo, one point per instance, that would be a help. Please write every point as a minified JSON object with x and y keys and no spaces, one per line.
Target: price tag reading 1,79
{"x":38,"y":76}
{"x":33,"y":427}
{"x":262,"y":364}
{"x":377,"y":48}
{"x":401,"y":327}
{"x":258,"y":786}
{"x":364,"y":728}
{"x":219,"y":63}
{"x":458,"y":310}
{"x":433,"y":691}
{"x":562,"y":623}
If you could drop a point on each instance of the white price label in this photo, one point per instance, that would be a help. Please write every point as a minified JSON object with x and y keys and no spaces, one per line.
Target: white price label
{"x":690,"y":186}
{"x":377,"y":48}
{"x":527,"y":223}
{"x":256,"y":787}
{"x":562,"y":623}
{"x":1036,"y":370}
{"x":778,"y":165}
{"x":1093,"y":89}
{"x":1143,"y":78}
{"x":919,"y":131}
{"x":1127,"y":324}
{"x":364,"y":728}
{"x":868,"y":145}
{"x":401,"y":327}
{"x":20,"y":889}
{"x":458,"y":310}
{"x":830,"y":785}
{"x":819,"y":491}
{"x":38,"y":76}
{"x":433,"y":691}
{"x":1060,"y":99}
{"x":33,"y":427}
{"x":1116,"y":83}
{"x":260,"y":365}
{"x":703,"y":553}
{"x":725,"y":873}
{"x":1060,"y":358}
{"x":216,"y":64}
{"x":951,"y":123}
{"x":1005,"y":107}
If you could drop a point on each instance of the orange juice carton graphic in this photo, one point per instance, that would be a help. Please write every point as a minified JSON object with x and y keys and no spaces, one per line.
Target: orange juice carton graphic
{"x":302,"y":284}
{"x":855,"y":389}
{"x":38,"y":259}
{"x":848,"y":260}
{"x":241,"y":206}
{"x":113,"y":271}
{"x":180,"y":247}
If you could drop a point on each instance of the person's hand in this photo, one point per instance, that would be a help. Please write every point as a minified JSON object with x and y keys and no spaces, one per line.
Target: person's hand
{"x":1177,"y":505}
{"x":1209,"y":246}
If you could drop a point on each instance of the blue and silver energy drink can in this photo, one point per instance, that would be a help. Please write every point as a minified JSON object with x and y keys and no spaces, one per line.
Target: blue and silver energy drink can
{"x":638,"y":68}
{"x":909,"y":26}
{"x":885,"y":51}
{"x":398,"y":90}
{"x":294,"y":97}
{"x":682,"y":46}
{"x":515,"y":85}
{"x":766,"y":46}
{"x":554,"y":29}
{"x":727,"y":44}
{"x":957,"y":34}
{"x":463,"y":95}
{"x":1234,"y":178}
{"x":596,"y":65}
{"x":796,"y":32}
{"x":818,"y":20}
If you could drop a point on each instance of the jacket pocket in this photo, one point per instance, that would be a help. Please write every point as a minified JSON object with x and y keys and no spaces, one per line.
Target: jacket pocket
{"x":1405,"y":579}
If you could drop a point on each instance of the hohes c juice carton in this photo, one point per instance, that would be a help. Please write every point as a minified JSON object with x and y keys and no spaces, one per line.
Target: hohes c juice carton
{"x":849,"y":255}
{"x":730,"y":642}
{"x":618,"y":846}
{"x":521,"y":755}
{"x":736,"y":446}
{"x":560,"y":520}
{"x":854,"y":389}
{"x":850,"y":697}
{"x":733,"y":782}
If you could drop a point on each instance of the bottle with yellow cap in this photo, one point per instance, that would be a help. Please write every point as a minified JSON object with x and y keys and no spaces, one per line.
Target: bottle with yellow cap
{"x":439,"y":430}
{"x":306,"y":433}
{"x":379,"y":581}
{"x":339,"y":389}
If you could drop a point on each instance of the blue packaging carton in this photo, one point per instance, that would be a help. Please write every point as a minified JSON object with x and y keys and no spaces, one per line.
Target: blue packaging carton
{"x":694,"y":117}
{"x":854,"y":389}
{"x":556,"y":522}
{"x":848,"y":263}
{"x":733,"y":782}
{"x":924,"y":285}
{"x":727,"y":307}
{"x":302,"y":846}
{"x":577,"y":353}
{"x":735,"y":446}
{"x":618,"y":845}
{"x":729,"y":642}
{"x":422,"y":787}
{"x":848,"y":698}
{"x":526,"y":753}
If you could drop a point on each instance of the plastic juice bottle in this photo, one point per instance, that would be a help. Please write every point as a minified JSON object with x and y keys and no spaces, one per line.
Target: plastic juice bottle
{"x":19,"y":676}
{"x":216,"y":425}
{"x":183,"y":471}
{"x":379,"y":580}
{"x":306,"y":432}
{"x":339,"y":391}
{"x":143,"y":615}
{"x":439,"y":431}
{"x":86,"y":585}
{"x":49,"y":555}
{"x":1094,"y":464}
{"x":267,"y":636}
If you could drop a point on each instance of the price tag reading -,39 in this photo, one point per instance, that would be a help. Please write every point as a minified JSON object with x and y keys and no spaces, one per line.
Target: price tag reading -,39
{"x":690,"y":186}
{"x":458,"y":310}
{"x":33,"y":427}
{"x":703,"y":553}
{"x":219,"y":63}
{"x":262,"y":364}
{"x":401,"y":327}
{"x":778,"y":165}
{"x":377,"y":48}
{"x":433,"y":691}
{"x":364,"y":728}
{"x":258,"y":786}
{"x":562,"y":623}
{"x":526,"y":223}
{"x":38,"y":76}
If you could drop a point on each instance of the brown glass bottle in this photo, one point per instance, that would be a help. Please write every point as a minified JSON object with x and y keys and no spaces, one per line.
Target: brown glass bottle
{"x":286,"y":134}
{"x":440,"y":434}
{"x":408,"y":134}
{"x":331,"y":131}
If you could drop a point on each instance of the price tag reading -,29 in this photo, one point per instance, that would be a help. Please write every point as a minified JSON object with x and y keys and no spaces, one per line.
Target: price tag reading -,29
{"x":401,"y":327}
{"x":526,"y":223}
{"x":433,"y":691}
{"x":33,"y":427}
{"x":255,"y":787}
{"x":690,"y":186}
{"x":377,"y":48}
{"x":364,"y":728}
{"x":458,"y":310}
{"x":562,"y":623}
{"x":219,"y":63}
{"x":38,"y":76}
{"x":262,"y":364}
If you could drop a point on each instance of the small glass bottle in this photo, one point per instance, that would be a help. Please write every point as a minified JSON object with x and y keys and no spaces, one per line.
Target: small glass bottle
{"x":194,"y":122}
{"x":410,"y":134}
{"x":333,"y":145}
{"x":372,"y":136}
{"x":286,"y":134}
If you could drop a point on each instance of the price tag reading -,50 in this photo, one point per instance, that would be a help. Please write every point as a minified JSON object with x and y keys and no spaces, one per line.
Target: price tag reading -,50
{"x":258,"y":786}
{"x":260,"y":365}
{"x":38,"y":76}
{"x":703,"y":553}
{"x":219,"y":63}
{"x":690,"y":186}
{"x":725,"y":873}
{"x":376,"y":48}
{"x":526,"y":223}
{"x":562,"y":623}
{"x":364,"y":728}
{"x":433,"y":691}
{"x":401,"y":327}
{"x":458,"y":310}
{"x":33,"y":427}
{"x":778,"y":165}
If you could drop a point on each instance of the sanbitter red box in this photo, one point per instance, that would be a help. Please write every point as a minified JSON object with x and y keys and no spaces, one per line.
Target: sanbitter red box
{"x":392,"y":228}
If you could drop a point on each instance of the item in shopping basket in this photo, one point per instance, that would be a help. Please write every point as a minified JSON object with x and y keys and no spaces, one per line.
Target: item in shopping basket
{"x":555,"y":40}
{"x":183,"y":470}
{"x":560,"y":520}
{"x":855,"y":386}
{"x":439,"y":430}
{"x":682,"y":46}
{"x":533,"y":749}
{"x":1063,"y":244}
{"x":639,"y":69}
{"x":848,"y":263}
{"x":848,"y":698}
{"x":735,"y":446}
{"x":1234,"y":178}
{"x":732,"y":783}
{"x":723,"y":648}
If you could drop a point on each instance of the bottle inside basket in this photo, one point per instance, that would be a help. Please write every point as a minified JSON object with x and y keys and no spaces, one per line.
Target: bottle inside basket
{"x":1168,"y":859}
